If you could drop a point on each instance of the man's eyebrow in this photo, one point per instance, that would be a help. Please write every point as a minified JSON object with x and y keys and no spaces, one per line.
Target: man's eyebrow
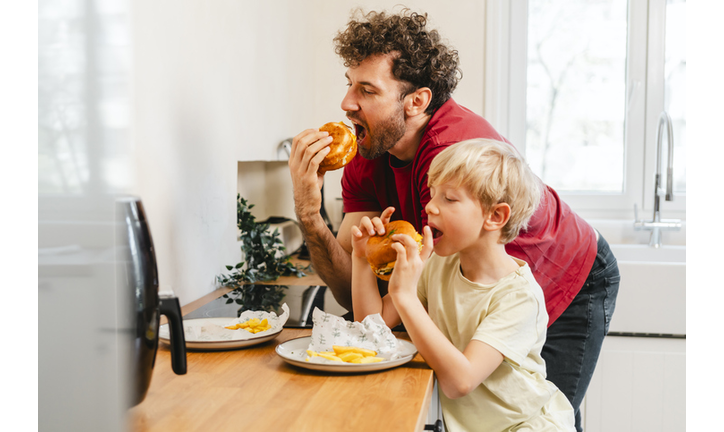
{"x":363,"y":83}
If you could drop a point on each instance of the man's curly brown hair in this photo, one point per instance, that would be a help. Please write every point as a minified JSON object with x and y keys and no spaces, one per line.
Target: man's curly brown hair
{"x":422,"y":59}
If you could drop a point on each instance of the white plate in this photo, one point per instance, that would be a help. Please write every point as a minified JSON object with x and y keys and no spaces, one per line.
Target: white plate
{"x":216,"y":345}
{"x":294,"y":352}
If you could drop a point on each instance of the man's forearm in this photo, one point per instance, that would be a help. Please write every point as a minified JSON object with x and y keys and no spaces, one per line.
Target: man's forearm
{"x":329,"y":259}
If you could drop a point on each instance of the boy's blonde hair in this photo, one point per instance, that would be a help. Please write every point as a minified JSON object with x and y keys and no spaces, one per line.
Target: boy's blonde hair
{"x":493,"y":172}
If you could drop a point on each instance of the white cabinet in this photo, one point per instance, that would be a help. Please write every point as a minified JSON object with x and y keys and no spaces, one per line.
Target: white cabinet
{"x":639,"y":385}
{"x":640,"y":382}
{"x":434,"y":413}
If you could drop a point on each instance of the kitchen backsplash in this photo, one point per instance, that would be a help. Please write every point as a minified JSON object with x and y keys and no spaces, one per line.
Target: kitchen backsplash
{"x":268,"y":185}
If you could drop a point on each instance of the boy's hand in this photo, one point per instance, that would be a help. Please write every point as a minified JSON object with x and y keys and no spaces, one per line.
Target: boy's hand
{"x":410,"y":261}
{"x":368,"y":228}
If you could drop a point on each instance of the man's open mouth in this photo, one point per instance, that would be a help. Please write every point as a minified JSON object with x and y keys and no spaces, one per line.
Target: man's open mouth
{"x":360,"y":131}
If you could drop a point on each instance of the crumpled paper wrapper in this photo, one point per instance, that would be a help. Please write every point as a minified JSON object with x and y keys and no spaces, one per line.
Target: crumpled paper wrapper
{"x":212,"y":333}
{"x":372,"y":333}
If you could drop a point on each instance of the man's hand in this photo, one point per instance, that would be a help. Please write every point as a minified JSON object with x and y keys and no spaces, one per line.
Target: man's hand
{"x":309,"y":148}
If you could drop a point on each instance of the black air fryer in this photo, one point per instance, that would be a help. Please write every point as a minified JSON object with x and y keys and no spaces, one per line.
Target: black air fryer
{"x":139,"y":277}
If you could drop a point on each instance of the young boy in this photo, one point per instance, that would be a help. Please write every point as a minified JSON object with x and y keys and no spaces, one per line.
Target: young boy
{"x":475,"y":313}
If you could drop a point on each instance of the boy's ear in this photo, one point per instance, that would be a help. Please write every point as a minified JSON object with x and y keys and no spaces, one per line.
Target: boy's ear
{"x":497,"y":217}
{"x":417,"y":102}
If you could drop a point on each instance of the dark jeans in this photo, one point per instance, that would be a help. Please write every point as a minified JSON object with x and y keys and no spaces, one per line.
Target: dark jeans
{"x":574,"y":340}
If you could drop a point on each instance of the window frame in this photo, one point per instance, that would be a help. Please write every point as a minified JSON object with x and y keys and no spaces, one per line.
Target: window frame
{"x":505,"y":102}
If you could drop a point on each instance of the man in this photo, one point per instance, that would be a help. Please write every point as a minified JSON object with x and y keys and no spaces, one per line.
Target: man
{"x":401,"y":78}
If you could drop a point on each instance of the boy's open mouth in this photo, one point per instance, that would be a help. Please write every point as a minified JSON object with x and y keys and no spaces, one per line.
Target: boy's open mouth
{"x":436,"y":234}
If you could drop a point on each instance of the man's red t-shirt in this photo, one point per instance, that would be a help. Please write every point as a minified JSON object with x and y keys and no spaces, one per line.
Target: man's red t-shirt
{"x":558,"y":245}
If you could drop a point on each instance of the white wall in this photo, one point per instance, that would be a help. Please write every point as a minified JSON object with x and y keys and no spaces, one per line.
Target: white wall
{"x":220,"y":82}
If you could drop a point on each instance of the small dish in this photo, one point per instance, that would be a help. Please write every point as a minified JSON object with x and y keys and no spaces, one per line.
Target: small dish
{"x":294,"y":352}
{"x":219,"y":344}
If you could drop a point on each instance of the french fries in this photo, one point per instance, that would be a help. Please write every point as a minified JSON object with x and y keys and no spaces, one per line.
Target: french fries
{"x":253,"y":325}
{"x":346,"y":354}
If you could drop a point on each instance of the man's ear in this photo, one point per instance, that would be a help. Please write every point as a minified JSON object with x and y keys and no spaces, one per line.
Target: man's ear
{"x":497,"y":217}
{"x":417,"y":102}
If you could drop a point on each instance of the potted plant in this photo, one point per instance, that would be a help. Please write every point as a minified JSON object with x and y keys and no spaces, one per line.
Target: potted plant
{"x":264,"y":257}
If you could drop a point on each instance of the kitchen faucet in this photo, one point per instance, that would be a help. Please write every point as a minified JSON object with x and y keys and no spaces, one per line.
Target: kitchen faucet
{"x":656,"y":225}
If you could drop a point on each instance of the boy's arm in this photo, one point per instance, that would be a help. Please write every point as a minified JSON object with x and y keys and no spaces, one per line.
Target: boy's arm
{"x":330,"y":257}
{"x":458,"y":373}
{"x":366,"y":298}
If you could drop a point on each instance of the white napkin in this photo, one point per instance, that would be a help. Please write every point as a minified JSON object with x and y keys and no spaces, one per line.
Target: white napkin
{"x":195,"y":332}
{"x":371,"y":333}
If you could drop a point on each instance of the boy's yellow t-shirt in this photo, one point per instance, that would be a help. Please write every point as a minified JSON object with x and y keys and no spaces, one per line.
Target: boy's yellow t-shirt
{"x":510,"y":316}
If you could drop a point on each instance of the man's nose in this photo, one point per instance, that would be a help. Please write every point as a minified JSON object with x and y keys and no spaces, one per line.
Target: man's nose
{"x":349,"y":103}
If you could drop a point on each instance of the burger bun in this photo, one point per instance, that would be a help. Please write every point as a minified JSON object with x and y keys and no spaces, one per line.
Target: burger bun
{"x":381,"y":255}
{"x":342,"y":149}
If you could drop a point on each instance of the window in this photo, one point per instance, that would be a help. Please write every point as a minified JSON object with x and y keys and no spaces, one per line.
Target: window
{"x":83,"y":97}
{"x":575,"y":97}
{"x":580,"y":86}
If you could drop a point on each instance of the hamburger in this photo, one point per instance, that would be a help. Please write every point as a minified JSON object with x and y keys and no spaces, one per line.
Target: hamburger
{"x":380,"y":254}
{"x":341,"y":150}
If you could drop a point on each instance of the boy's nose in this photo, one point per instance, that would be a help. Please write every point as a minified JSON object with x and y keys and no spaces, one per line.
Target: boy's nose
{"x":430,"y":208}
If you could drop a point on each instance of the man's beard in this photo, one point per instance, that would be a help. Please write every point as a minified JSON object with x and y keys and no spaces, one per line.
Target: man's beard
{"x":385,"y":135}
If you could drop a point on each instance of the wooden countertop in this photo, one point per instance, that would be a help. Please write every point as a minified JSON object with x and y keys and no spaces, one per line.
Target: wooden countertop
{"x":253,"y":389}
